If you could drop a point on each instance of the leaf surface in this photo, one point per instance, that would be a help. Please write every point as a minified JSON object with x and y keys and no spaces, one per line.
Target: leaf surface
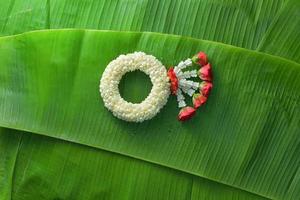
{"x":247,"y":135}
{"x":270,"y":26}
{"x":47,"y":168}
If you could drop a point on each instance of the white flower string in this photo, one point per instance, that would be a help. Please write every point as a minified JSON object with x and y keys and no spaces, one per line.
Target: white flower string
{"x":186,"y":86}
{"x":135,"y":112}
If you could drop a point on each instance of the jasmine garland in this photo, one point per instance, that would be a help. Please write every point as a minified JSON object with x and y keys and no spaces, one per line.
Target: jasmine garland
{"x":174,"y":81}
{"x":135,"y":112}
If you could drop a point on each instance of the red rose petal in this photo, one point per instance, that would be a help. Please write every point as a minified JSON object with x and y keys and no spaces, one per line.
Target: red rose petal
{"x":186,"y":113}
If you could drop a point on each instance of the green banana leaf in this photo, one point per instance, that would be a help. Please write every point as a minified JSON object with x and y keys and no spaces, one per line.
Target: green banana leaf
{"x":270,"y":26}
{"x":244,"y":144}
{"x":245,"y":137}
{"x":283,"y":36}
{"x":88,"y":173}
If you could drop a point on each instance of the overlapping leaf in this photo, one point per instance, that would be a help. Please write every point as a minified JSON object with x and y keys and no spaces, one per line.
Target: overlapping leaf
{"x":249,"y":133}
{"x":88,"y":173}
{"x":271,"y":26}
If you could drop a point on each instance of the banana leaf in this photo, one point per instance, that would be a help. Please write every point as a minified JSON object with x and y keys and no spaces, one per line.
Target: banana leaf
{"x":283,"y":36}
{"x":246,"y":150}
{"x":270,"y":26}
{"x":89,"y":173}
{"x":246,"y":137}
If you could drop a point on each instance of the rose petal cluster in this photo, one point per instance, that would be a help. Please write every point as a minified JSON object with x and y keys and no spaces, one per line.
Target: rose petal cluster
{"x":199,"y":100}
{"x":135,"y":112}
{"x":205,"y":88}
{"x":205,"y":72}
{"x":186,"y":113}
{"x":200,"y":58}
{"x":174,"y":81}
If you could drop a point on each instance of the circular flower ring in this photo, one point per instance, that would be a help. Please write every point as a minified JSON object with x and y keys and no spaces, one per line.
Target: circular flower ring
{"x":135,"y":112}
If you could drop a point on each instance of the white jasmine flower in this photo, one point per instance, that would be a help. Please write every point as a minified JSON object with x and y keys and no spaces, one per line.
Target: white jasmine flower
{"x":135,"y":112}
